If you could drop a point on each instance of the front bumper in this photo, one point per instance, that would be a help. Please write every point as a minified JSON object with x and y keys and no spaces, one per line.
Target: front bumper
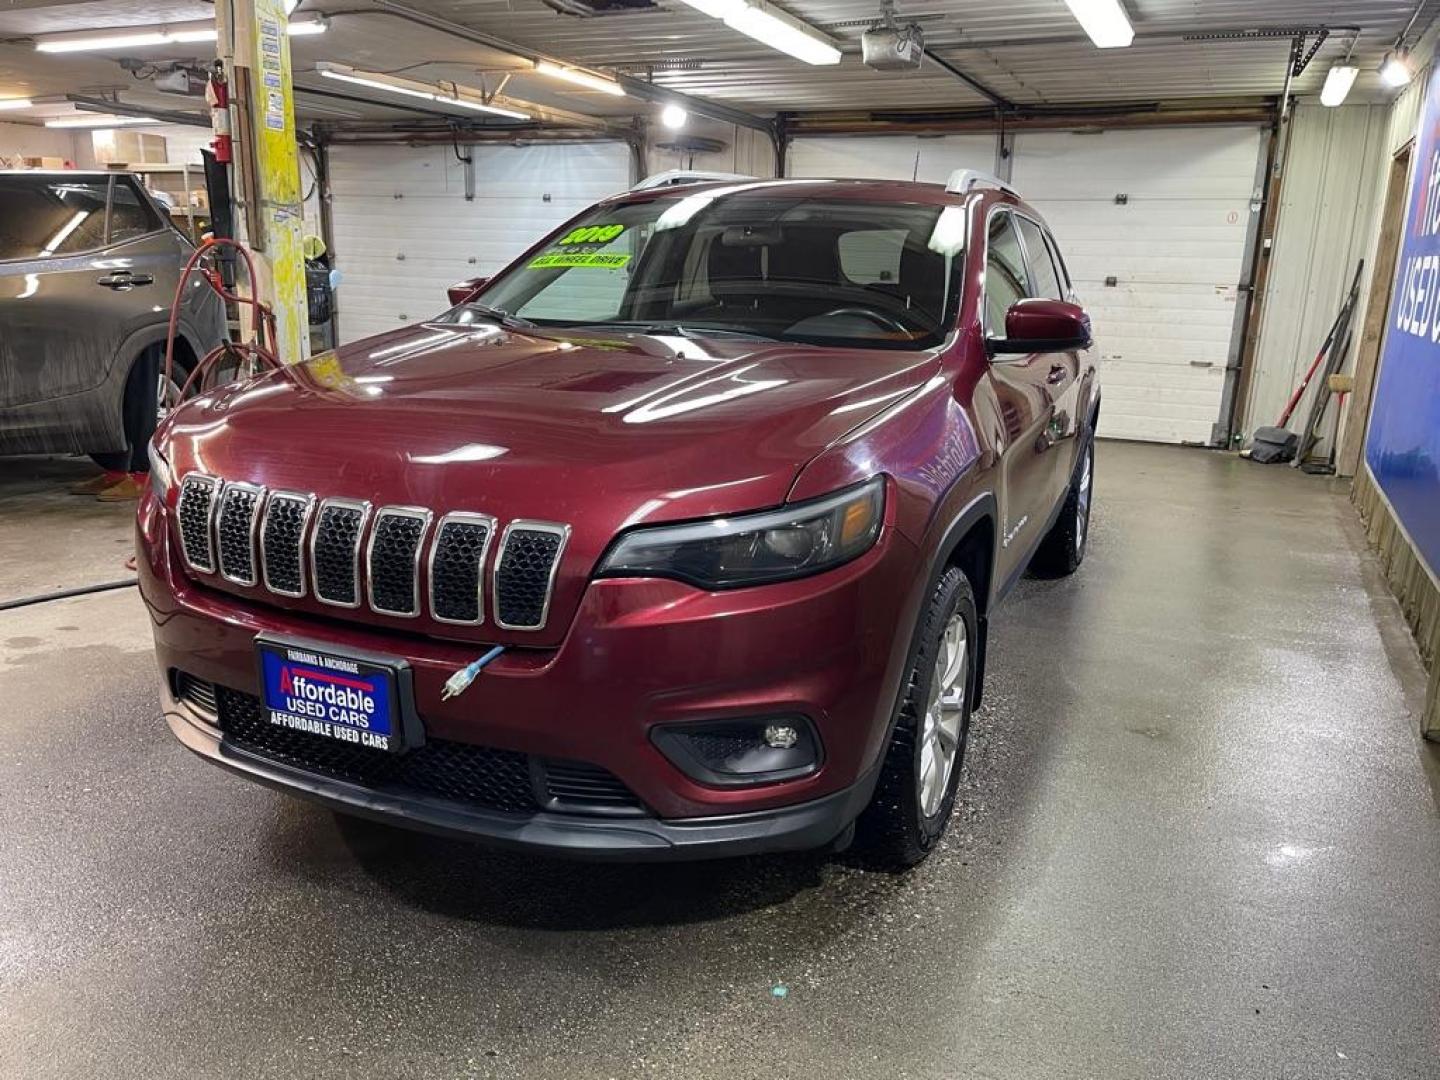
{"x":802,"y":827}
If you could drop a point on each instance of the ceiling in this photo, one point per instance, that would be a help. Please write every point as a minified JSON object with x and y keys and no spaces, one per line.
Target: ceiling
{"x":1029,"y":52}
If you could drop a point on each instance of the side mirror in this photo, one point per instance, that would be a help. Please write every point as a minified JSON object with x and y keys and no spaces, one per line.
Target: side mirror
{"x":463,"y":291}
{"x":1038,"y":325}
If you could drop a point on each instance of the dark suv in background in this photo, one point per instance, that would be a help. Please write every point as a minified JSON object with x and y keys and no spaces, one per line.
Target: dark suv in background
{"x":678,"y":538}
{"x":88,"y":269}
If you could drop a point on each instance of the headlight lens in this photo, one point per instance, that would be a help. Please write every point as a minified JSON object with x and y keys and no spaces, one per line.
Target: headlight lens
{"x":774,"y":545}
{"x":160,"y":475}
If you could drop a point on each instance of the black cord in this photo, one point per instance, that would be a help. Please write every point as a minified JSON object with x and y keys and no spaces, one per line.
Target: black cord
{"x":63,"y":594}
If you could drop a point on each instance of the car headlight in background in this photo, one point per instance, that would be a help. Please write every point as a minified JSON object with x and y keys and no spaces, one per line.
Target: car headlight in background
{"x":752,"y":549}
{"x":161,"y":478}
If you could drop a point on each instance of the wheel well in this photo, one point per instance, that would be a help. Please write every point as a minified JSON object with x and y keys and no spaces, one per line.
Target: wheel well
{"x":184,"y":353}
{"x":975,"y":555}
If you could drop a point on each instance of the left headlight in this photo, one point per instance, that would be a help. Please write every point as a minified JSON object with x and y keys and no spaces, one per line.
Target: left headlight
{"x":160,"y":475}
{"x":752,"y":549}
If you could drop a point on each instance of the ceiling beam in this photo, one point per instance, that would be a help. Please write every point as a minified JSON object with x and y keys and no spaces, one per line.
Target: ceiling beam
{"x":994,"y":97}
{"x":85,"y":103}
{"x":646,"y":91}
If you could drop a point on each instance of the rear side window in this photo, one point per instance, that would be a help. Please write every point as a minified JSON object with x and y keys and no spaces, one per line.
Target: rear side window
{"x":130,"y":215}
{"x":42,"y":216}
{"x":1045,"y":279}
{"x":1005,"y":280}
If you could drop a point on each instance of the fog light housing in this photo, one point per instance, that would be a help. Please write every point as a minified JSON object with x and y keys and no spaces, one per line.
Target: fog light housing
{"x":733,"y":753}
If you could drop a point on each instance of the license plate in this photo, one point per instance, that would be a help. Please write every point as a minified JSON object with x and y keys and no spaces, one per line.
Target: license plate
{"x":333,"y":695}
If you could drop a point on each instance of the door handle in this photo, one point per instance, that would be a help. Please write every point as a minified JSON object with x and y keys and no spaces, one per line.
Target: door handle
{"x":1057,"y":375}
{"x":124,"y":279}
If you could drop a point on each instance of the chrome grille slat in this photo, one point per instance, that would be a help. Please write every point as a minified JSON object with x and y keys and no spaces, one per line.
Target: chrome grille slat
{"x":457,"y":568}
{"x":335,"y":551}
{"x":194,"y":512}
{"x":282,"y":540}
{"x":525,"y":570}
{"x":392,"y":559}
{"x":235,"y":524}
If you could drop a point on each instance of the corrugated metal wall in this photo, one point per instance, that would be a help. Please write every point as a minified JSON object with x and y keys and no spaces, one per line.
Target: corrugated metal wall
{"x":1328,"y":219}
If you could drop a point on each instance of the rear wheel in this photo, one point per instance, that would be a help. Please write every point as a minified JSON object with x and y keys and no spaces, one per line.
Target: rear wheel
{"x":921,"y":770}
{"x":1063,"y":549}
{"x":147,"y":400}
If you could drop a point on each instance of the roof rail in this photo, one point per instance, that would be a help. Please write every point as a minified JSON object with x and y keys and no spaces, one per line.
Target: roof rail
{"x":676,"y":177}
{"x":964,"y":180}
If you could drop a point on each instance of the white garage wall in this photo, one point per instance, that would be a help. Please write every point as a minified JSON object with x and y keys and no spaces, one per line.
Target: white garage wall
{"x":31,"y":140}
{"x":1175,"y":248}
{"x":746,"y":151}
{"x":403,"y":229}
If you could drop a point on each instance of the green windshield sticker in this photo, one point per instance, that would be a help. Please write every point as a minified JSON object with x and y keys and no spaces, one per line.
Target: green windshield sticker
{"x":591,"y":234}
{"x":595,"y":260}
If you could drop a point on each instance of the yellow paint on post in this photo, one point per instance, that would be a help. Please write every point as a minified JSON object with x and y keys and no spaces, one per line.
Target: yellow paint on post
{"x":277,"y":169}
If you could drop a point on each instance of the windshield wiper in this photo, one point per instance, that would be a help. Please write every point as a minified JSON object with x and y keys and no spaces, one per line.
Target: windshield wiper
{"x":504,"y":318}
{"x":681,"y":330}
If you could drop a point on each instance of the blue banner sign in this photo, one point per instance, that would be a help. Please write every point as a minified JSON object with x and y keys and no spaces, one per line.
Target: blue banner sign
{"x":1403,"y":446}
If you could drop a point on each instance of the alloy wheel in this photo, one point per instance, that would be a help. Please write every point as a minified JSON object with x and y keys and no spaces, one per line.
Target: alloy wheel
{"x":941,"y":725}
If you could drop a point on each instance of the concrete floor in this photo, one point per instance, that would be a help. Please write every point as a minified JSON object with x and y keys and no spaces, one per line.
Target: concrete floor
{"x":1199,"y":839}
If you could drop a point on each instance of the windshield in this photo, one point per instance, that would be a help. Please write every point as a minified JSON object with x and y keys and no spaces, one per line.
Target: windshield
{"x":763,"y":264}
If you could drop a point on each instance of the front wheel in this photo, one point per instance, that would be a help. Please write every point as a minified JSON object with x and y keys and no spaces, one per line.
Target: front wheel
{"x":148,"y":397}
{"x":921,"y":770}
{"x":1063,"y":549}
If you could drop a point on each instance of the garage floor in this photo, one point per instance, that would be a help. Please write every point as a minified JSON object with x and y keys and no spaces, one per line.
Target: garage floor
{"x":1200,"y":840}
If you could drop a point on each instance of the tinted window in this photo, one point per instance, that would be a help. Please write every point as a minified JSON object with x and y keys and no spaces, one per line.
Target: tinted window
{"x":1005,"y":280}
{"x":130,"y":215}
{"x":1059,"y":260}
{"x":757,"y":262}
{"x":41,"y":216}
{"x":1044,"y":280}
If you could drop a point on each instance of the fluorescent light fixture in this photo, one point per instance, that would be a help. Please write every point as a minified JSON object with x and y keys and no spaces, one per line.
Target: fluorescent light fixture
{"x":1338,"y":81}
{"x":673,"y":117}
{"x":1395,"y":69}
{"x":1105,"y":21}
{"x":98,"y":120}
{"x":459,"y":96}
{"x":140,"y":37}
{"x":579,"y":78}
{"x":769,"y":25}
{"x":16,"y":103}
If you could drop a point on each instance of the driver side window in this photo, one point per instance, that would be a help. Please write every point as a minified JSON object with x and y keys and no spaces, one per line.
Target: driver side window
{"x":1005,"y":279}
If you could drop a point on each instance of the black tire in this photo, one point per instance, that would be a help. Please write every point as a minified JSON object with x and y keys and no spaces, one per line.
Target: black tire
{"x":140,"y":406}
{"x":895,"y":831}
{"x":1063,"y":549}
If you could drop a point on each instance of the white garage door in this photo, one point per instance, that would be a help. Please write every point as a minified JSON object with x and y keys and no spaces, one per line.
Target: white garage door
{"x":1174,"y":248}
{"x":403,"y":230}
{"x":1162,"y":213}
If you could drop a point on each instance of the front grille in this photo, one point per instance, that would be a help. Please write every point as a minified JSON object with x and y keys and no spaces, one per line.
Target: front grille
{"x":461,"y":772}
{"x":282,"y":539}
{"x":288,"y":541}
{"x":457,"y":567}
{"x":525,"y":572}
{"x":235,"y":531}
{"x":579,"y":782}
{"x":394,"y":560}
{"x":193,"y":511}
{"x":335,"y":551}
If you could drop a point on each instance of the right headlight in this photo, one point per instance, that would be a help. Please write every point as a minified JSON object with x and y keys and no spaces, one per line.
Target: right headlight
{"x":752,"y":549}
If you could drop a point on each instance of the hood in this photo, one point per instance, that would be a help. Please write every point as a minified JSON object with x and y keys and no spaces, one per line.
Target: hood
{"x":599,"y":433}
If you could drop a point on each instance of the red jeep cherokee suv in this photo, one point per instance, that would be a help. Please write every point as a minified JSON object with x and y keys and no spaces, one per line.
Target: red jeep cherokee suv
{"x":677,"y":538}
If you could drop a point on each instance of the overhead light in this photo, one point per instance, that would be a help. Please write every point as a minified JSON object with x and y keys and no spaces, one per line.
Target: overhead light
{"x":580,"y":78}
{"x":769,"y":25}
{"x":673,"y":117}
{"x":141,"y":37}
{"x":98,"y":120}
{"x":16,"y":103}
{"x":1395,"y":69}
{"x":1105,"y":21}
{"x":456,"y":95}
{"x":1338,"y":81}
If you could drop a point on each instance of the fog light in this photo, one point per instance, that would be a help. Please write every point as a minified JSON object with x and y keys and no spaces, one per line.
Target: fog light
{"x":781,"y":736}
{"x":729,"y":753}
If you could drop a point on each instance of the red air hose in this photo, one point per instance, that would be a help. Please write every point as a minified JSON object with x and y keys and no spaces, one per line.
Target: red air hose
{"x":261,"y":346}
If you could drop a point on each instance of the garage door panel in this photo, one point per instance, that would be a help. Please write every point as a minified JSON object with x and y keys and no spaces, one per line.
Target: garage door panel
{"x":1182,"y":164}
{"x":397,"y":254}
{"x":890,"y":157}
